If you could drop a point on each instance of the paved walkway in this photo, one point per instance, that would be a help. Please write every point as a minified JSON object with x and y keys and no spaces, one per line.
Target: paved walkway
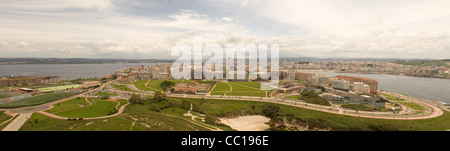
{"x":18,"y":122}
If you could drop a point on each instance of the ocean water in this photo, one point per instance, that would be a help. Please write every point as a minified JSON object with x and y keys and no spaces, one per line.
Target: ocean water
{"x":66,"y":71}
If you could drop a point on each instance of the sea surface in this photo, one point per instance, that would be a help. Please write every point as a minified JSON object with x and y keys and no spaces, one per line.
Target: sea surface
{"x":66,"y":71}
{"x":419,"y":87}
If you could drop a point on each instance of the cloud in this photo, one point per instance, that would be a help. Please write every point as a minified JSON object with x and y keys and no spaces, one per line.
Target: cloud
{"x":146,"y":29}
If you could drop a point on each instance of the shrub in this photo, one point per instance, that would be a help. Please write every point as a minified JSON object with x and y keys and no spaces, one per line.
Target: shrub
{"x":271,"y":111}
{"x":155,"y":108}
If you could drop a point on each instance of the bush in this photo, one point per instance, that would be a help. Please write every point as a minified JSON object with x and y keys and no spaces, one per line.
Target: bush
{"x":169,"y":104}
{"x":136,"y":99}
{"x":271,"y":111}
{"x":210,"y":119}
{"x":155,"y":107}
{"x":159,"y":97}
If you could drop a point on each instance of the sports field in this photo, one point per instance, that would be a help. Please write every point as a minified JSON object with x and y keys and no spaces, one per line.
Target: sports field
{"x":63,"y":87}
{"x":239,"y":89}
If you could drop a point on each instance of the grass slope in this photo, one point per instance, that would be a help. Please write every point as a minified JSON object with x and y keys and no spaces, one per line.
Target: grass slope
{"x":135,"y":118}
{"x":335,"y":121}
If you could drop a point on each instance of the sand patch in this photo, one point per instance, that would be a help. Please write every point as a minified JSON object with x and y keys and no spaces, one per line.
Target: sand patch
{"x":247,"y":123}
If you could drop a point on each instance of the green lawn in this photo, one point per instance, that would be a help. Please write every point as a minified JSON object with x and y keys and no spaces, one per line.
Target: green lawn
{"x":36,"y":100}
{"x":140,"y":84}
{"x":135,"y":118}
{"x":239,"y":89}
{"x":413,"y":105}
{"x":4,"y":117}
{"x":106,"y":94}
{"x":390,"y":97}
{"x":69,"y":104}
{"x":63,"y":87}
{"x":2,"y":96}
{"x":98,"y":108}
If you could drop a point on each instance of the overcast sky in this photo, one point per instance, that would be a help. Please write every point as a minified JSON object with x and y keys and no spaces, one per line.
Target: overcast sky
{"x":149,"y":29}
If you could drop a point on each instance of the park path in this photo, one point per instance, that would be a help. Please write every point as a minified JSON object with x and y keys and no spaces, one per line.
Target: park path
{"x":18,"y":122}
{"x":209,"y":92}
{"x":231,"y":89}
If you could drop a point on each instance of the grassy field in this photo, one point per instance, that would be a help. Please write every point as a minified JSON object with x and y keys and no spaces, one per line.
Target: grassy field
{"x":122,"y":87}
{"x":238,"y":89}
{"x":314,"y":98}
{"x":2,"y":96}
{"x":98,"y":108}
{"x":63,"y":87}
{"x":36,"y":100}
{"x":136,"y":117}
{"x":390,"y":97}
{"x":105,"y":94}
{"x":4,"y":117}
{"x":70,"y":104}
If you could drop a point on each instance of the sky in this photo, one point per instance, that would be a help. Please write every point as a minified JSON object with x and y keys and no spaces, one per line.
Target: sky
{"x":145,"y":29}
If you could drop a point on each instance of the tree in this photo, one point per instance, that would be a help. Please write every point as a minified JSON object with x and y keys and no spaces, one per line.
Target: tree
{"x":166,"y":84}
{"x":155,"y":108}
{"x":159,"y":97}
{"x":271,"y":111}
{"x":136,"y":99}
{"x":169,"y":104}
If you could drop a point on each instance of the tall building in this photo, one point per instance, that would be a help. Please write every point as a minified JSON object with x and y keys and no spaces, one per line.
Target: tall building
{"x":340,"y":84}
{"x":361,"y":88}
{"x":372,"y":83}
{"x":324,"y":81}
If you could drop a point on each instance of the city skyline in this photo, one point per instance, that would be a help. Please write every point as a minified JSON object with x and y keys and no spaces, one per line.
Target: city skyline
{"x":149,"y":29}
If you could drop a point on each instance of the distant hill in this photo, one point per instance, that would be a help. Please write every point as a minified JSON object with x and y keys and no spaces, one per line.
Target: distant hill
{"x":445,"y":62}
